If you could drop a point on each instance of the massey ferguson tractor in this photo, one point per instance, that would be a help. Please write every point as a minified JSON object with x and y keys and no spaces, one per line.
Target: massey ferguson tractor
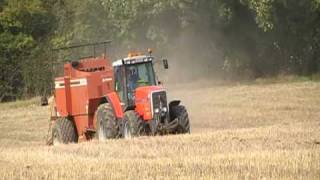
{"x":95,"y":99}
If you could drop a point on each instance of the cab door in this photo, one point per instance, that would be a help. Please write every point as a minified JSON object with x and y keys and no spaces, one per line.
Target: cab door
{"x":120,"y":83}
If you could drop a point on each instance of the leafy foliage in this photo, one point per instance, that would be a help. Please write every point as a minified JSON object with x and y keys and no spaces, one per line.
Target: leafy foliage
{"x":256,"y":38}
{"x":24,"y":27}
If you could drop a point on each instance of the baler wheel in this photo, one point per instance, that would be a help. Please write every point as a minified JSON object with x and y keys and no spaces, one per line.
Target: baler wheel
{"x":180,"y":113}
{"x":133,"y":125}
{"x":64,"y":132}
{"x":107,"y":125}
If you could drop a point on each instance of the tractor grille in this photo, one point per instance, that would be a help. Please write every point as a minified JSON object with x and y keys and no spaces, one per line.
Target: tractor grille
{"x":159,"y":102}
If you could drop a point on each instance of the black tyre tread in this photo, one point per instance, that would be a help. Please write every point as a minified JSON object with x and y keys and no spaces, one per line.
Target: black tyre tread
{"x":181,"y":113}
{"x":66,"y":131}
{"x":110,"y":124}
{"x":135,"y":123}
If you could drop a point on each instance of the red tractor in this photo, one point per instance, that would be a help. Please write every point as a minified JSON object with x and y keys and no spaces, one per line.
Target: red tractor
{"x":97,"y":99}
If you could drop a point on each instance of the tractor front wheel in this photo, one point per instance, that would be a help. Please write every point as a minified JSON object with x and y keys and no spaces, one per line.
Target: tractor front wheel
{"x":64,"y":132}
{"x":133,"y":125}
{"x":180,"y":113}
{"x":107,"y":126}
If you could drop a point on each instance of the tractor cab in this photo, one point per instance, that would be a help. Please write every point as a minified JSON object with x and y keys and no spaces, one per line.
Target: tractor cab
{"x":132,"y":72}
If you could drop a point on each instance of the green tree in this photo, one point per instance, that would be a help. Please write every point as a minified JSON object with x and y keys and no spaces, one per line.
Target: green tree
{"x":25,"y":26}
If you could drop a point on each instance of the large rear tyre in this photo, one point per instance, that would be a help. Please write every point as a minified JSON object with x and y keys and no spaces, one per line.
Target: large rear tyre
{"x":180,"y":113}
{"x":133,"y":125}
{"x":64,"y":132}
{"x":107,"y":125}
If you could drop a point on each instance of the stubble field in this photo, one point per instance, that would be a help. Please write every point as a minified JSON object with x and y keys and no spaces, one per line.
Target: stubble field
{"x":254,"y":131}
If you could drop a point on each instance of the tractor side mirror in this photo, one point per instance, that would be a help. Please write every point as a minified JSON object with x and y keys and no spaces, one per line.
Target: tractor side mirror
{"x":165,"y":64}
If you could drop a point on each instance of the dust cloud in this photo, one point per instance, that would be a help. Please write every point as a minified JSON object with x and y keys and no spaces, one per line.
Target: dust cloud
{"x":193,"y":51}
{"x":190,"y":45}
{"x":192,"y":57}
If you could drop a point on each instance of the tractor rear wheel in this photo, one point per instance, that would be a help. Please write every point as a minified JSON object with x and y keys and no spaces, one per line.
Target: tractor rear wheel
{"x":64,"y":132}
{"x":180,"y":113}
{"x":107,"y":125}
{"x":133,"y":125}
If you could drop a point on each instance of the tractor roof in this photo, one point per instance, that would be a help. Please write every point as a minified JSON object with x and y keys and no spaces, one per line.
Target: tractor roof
{"x":133,"y":60}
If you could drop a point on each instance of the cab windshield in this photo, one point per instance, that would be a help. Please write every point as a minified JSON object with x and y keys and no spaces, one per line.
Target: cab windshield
{"x":130,"y":77}
{"x":139,"y":75}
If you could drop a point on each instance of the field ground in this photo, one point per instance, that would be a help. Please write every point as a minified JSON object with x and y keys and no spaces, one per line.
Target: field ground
{"x":254,"y":131}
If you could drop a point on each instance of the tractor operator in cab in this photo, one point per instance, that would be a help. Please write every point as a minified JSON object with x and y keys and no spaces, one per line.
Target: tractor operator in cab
{"x":133,"y":78}
{"x":137,"y":80}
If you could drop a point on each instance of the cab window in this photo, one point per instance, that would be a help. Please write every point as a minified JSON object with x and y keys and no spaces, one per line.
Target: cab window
{"x":119,"y":83}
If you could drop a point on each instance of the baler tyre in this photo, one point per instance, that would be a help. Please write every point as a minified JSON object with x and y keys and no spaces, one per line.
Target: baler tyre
{"x":133,"y":125}
{"x":64,"y":132}
{"x":180,"y":113}
{"x":107,"y":125}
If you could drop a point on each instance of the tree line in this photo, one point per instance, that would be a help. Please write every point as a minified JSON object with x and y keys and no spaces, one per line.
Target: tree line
{"x":255,"y":38}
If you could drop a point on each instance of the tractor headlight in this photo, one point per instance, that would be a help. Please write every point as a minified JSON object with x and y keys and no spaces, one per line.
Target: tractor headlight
{"x":164,"y":109}
{"x":157,"y":110}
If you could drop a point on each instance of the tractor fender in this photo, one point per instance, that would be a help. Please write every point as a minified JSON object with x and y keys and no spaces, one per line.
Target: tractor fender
{"x":173,"y":104}
{"x":114,"y":101}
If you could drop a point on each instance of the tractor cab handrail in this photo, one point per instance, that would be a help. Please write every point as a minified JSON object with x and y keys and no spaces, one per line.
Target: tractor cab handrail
{"x":93,"y":45}
{"x":82,"y":45}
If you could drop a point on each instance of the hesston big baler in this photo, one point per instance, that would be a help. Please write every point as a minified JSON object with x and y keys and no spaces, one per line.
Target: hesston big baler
{"x":97,"y":99}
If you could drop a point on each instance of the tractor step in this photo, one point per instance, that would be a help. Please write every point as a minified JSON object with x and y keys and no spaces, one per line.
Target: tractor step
{"x":89,"y":134}
{"x":88,"y":130}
